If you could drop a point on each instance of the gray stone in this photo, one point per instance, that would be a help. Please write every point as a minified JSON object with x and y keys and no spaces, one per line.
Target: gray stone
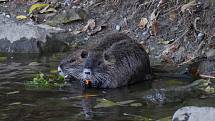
{"x":17,"y":37}
{"x":192,"y":113}
{"x":67,"y":16}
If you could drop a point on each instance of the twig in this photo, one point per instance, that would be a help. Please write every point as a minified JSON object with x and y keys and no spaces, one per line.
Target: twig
{"x":206,"y":76}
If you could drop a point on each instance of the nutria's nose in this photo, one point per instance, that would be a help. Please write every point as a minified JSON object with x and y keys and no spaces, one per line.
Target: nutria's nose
{"x":87,"y":71}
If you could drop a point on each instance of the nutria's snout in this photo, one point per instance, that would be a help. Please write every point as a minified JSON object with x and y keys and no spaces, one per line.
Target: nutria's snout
{"x":65,"y":75}
{"x":60,"y":71}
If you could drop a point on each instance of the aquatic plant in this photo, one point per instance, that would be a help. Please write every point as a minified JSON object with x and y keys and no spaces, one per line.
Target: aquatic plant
{"x":46,"y":81}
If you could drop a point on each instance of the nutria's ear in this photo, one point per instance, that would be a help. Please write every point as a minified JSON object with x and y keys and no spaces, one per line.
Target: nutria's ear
{"x":84,"y":54}
{"x":72,"y":60}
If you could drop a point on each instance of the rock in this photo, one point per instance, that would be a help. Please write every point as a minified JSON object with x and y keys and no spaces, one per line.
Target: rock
{"x":118,"y":27}
{"x":17,"y":37}
{"x":200,"y":36}
{"x":67,"y":16}
{"x":206,"y":68}
{"x":210,"y":53}
{"x":193,"y":113}
{"x":177,"y":93}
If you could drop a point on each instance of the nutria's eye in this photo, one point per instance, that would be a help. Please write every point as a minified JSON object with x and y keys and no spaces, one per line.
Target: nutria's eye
{"x":106,"y":57}
{"x":84,"y":54}
{"x":72,"y":60}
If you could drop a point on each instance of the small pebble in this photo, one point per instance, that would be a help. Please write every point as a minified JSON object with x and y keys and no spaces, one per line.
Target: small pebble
{"x":200,"y":36}
{"x":118,"y":27}
{"x":86,"y":38}
{"x":8,"y":16}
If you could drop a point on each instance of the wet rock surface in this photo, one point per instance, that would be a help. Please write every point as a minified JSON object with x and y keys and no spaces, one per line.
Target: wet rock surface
{"x":17,"y":37}
{"x":193,"y":113}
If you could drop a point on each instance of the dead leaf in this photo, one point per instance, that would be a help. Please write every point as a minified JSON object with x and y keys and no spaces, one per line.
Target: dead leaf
{"x":172,"y":48}
{"x":90,"y":25}
{"x":153,"y":22}
{"x":165,"y":42}
{"x":90,"y":28}
{"x":15,"y":103}
{"x":97,"y":29}
{"x":21,"y":17}
{"x":76,"y":32}
{"x":188,"y":6}
{"x":14,"y":92}
{"x":37,"y":7}
{"x":76,"y":1}
{"x":143,"y":23}
{"x":172,"y":16}
{"x":154,"y":27}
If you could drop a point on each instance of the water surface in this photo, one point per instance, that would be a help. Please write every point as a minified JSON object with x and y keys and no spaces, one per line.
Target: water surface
{"x":72,"y":103}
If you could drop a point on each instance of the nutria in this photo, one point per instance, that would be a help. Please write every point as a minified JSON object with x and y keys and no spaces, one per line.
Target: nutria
{"x":116,"y":61}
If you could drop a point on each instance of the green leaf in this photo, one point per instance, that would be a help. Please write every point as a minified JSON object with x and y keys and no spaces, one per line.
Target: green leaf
{"x":21,"y":17}
{"x":104,"y":103}
{"x":53,"y":71}
{"x":46,"y":81}
{"x":3,"y":58}
{"x":136,"y":104}
{"x":169,"y":118}
{"x":125,"y":102}
{"x":37,"y":7}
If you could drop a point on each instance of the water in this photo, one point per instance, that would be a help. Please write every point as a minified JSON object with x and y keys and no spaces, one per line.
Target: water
{"x":72,"y":103}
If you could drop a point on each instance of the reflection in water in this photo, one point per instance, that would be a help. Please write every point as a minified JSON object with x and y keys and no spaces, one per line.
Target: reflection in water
{"x":86,"y":104}
{"x":18,"y":103}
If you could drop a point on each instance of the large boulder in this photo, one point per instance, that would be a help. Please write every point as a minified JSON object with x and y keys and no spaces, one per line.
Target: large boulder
{"x":193,"y":113}
{"x":18,"y":37}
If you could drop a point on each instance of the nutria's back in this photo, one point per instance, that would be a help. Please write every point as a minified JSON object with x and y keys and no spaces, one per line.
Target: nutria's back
{"x":116,"y":61}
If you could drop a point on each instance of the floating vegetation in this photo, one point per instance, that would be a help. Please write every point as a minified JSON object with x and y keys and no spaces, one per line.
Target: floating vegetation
{"x":104,"y":103}
{"x":2,"y":57}
{"x":46,"y":81}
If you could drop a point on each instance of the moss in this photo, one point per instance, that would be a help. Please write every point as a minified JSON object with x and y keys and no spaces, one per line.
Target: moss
{"x":3,"y":59}
{"x":174,"y":82}
{"x":169,"y":118}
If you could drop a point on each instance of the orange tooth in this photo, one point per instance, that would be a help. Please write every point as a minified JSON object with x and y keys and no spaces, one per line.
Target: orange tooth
{"x":87,"y":82}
